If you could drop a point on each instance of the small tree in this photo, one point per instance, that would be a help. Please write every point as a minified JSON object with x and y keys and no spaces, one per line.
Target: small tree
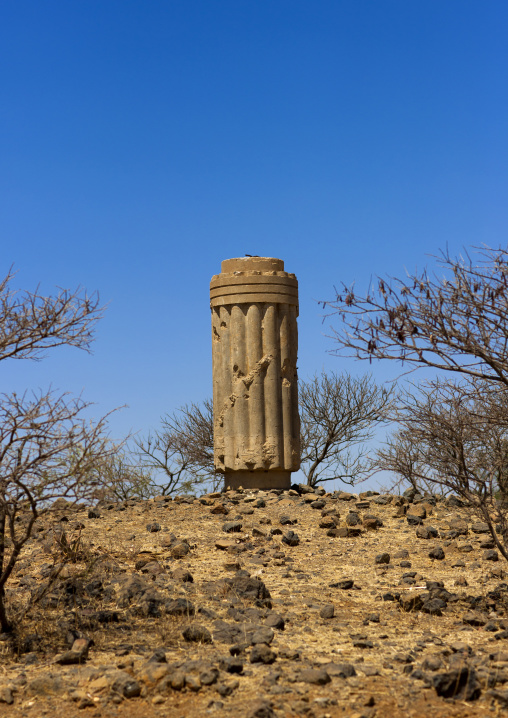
{"x":454,"y":437}
{"x":457,"y":322}
{"x":39,"y":432}
{"x":181,"y":451}
{"x":120,"y":477}
{"x":339,"y":414}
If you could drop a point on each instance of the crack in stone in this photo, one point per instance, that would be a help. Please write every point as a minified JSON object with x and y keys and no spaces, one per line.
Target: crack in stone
{"x":246,"y":380}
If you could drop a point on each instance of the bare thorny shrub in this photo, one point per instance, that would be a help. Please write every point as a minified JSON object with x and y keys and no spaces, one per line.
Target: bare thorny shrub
{"x":339,"y":414}
{"x":47,"y":448}
{"x":181,"y":451}
{"x":452,"y":435}
{"x":458,"y":439}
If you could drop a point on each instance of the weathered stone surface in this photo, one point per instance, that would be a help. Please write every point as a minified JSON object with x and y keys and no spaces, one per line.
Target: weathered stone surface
{"x":254,"y":305}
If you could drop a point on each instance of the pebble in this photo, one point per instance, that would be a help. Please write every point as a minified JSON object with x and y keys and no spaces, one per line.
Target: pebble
{"x":437,"y":553}
{"x":291,"y":538}
{"x":327,"y":611}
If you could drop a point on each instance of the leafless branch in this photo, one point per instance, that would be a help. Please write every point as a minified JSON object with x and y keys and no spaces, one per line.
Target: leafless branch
{"x":338,"y":416}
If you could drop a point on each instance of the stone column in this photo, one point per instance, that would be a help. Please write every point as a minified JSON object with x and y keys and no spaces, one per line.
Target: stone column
{"x":254,"y":306}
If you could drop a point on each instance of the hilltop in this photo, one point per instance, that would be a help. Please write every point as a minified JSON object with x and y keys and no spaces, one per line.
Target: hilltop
{"x":259,"y":604}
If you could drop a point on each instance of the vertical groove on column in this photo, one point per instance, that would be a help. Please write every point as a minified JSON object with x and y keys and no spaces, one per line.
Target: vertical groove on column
{"x":286,"y":375}
{"x":217,"y":383}
{"x":272,"y":454}
{"x":240,"y":428}
{"x":255,"y":392}
{"x":295,"y":418}
{"x":223,"y":405}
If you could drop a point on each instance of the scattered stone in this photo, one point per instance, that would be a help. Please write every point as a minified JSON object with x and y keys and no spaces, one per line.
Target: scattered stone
{"x":437,"y":553}
{"x":232,"y":527}
{"x":491,"y":555}
{"x":261,"y":653}
{"x":274,"y":620}
{"x":327,"y":611}
{"x":341,"y":532}
{"x":382,"y":558}
{"x":181,"y":574}
{"x":372,"y":524}
{"x":94,"y":514}
{"x":460,"y":683}
{"x":261,"y":709}
{"x":180,"y":550}
{"x":291,"y":538}
{"x":340,"y":670}
{"x":256,"y":531}
{"x":426,"y":532}
{"x":362,"y":505}
{"x":401,"y":553}
{"x":432,"y":663}
{"x":6,"y":695}
{"x":223,"y":545}
{"x":316,"y":676}
{"x":414,"y":520}
{"x":250,"y":588}
{"x":353,"y":519}
{"x":180,"y":607}
{"x":480,"y":528}
{"x":465,"y":548}
{"x":153,"y":527}
{"x":473,"y":619}
{"x":434,"y":606}
{"x":411,"y":602}
{"x":417,"y":510}
{"x":197,"y":634}
{"x":319,"y":504}
{"x":287,"y":520}
{"x":219,"y":509}
{"x":126,"y":686}
{"x":345,"y":584}
{"x":78,"y":653}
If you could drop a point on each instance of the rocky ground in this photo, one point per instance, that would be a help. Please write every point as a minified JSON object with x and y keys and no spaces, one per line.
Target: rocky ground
{"x":259,"y":604}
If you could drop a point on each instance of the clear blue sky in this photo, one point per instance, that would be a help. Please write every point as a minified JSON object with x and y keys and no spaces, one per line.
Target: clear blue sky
{"x":142,"y":142}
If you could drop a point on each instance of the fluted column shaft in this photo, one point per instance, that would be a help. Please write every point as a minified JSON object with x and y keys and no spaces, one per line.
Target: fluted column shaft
{"x":255,"y":392}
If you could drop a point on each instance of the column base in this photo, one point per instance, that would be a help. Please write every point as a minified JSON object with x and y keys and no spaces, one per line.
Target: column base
{"x":265,"y":480}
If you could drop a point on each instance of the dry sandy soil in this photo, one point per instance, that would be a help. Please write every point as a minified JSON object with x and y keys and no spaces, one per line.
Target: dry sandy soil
{"x":161,"y":612}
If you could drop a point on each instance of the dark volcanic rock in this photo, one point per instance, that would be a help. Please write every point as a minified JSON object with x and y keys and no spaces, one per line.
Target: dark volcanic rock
{"x":261,"y":653}
{"x":232,"y":527}
{"x":414,"y":520}
{"x":411,"y":602}
{"x":153,"y":527}
{"x":460,"y":683}
{"x":434,"y":606}
{"x":327,"y":611}
{"x":250,"y":588}
{"x":180,"y":607}
{"x":345,"y":584}
{"x":291,"y":538}
{"x":437,"y":553}
{"x":197,"y":634}
{"x":426,"y":532}
{"x":316,"y":676}
{"x":353,"y":519}
{"x":287,"y":520}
